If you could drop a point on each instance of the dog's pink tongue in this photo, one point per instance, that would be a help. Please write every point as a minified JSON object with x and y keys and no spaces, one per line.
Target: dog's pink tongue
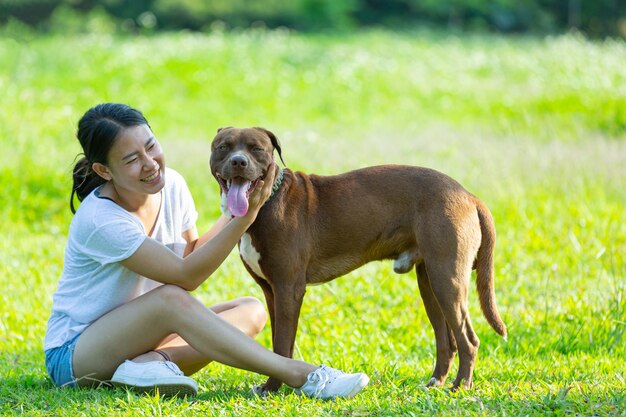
{"x":236,"y":198}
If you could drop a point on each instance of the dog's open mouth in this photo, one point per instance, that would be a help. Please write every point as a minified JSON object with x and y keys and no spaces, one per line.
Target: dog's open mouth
{"x":237,"y":192}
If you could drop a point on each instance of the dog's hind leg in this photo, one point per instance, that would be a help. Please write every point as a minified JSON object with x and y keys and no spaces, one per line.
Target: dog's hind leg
{"x":444,"y":339}
{"x":449,"y":280}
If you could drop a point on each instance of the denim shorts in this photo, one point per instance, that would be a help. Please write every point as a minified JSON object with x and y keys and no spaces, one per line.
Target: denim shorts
{"x":59,"y":364}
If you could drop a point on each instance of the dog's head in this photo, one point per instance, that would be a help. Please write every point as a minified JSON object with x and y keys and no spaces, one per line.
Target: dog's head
{"x":240,"y":158}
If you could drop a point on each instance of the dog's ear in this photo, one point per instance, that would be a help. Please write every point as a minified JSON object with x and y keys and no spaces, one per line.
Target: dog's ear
{"x":221,"y":128}
{"x":275,"y":142}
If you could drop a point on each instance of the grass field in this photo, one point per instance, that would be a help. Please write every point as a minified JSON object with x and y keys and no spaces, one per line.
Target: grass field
{"x":535,"y":127}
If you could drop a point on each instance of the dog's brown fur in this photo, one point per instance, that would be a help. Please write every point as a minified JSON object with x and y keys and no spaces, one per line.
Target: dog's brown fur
{"x":317,"y":228}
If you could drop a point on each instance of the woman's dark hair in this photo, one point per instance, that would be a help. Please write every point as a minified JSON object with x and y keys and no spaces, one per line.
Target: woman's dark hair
{"x":97,"y":131}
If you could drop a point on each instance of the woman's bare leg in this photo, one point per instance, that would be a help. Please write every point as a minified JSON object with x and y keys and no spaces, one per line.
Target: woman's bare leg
{"x":245,"y":313}
{"x":142,"y":324}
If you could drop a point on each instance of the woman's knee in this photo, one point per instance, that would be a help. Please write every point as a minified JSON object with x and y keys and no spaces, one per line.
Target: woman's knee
{"x":171,"y":297}
{"x":256,"y":314}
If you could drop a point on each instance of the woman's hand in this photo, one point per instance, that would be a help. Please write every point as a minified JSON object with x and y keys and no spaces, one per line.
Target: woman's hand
{"x":261,"y":193}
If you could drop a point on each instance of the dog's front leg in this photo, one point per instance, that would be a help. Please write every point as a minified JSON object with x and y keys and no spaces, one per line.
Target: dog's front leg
{"x":269,"y":300}
{"x":288,"y":296}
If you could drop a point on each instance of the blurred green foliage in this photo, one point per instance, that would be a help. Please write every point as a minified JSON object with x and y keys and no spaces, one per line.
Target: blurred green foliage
{"x":596,"y":18}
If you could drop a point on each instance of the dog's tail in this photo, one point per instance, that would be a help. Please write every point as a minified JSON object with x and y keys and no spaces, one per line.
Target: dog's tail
{"x":485,"y":270}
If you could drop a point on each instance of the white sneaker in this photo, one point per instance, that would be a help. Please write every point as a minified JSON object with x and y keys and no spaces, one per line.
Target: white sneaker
{"x":326,"y":383}
{"x":156,"y":375}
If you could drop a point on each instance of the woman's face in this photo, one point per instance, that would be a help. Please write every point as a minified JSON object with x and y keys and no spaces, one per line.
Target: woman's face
{"x":136,"y":162}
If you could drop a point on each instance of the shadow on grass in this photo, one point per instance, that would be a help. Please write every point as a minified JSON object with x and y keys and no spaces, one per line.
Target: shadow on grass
{"x":27,"y":393}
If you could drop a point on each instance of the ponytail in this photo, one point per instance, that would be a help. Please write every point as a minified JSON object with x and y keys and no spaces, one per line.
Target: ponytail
{"x":85,"y":180}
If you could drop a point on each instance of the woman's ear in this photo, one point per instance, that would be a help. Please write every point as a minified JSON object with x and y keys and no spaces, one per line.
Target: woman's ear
{"x":101,"y":170}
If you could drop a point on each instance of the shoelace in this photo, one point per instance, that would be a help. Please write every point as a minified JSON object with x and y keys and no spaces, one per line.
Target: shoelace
{"x":172,"y":367}
{"x":323,"y":376}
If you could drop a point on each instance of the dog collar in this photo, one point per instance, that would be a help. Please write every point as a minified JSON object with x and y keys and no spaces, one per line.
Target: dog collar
{"x":277,"y":182}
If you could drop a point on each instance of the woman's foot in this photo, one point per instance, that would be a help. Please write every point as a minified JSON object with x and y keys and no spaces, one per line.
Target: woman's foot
{"x":327,"y":383}
{"x":163,"y":376}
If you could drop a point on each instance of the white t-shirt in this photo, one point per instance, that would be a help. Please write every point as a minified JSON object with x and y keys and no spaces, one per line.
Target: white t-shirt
{"x":102,"y":234}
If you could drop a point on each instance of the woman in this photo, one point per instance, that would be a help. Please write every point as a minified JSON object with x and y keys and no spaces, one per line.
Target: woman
{"x":122,"y":311}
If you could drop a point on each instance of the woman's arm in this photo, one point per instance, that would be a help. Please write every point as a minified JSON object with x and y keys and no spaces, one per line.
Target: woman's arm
{"x":191,"y":235}
{"x":155,"y":261}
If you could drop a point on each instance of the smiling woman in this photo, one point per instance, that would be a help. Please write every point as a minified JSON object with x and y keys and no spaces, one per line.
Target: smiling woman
{"x":134,"y":172}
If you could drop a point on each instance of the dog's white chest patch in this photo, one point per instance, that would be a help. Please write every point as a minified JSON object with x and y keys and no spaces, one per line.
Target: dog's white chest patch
{"x":250,"y":255}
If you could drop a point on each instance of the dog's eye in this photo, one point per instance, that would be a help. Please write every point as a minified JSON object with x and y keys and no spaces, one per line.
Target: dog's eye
{"x":222,"y":147}
{"x":258,"y":149}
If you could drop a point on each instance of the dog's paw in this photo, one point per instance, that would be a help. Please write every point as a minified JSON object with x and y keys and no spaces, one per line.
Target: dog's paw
{"x":434,"y":382}
{"x":259,"y":391}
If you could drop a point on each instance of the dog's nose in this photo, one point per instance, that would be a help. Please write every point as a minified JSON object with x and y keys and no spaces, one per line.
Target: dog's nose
{"x":239,"y":161}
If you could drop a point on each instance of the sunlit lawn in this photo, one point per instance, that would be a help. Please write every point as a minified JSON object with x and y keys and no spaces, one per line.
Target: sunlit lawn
{"x":535,"y":127}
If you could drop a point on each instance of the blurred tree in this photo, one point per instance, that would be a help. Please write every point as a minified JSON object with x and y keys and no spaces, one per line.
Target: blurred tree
{"x":327,"y":13}
{"x":28,"y":11}
{"x":127,"y":9}
{"x":595,"y":17}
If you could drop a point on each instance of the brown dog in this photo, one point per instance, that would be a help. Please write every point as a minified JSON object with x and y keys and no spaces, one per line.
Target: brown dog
{"x":316,"y":228}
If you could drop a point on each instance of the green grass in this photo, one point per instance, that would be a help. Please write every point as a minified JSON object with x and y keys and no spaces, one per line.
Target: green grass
{"x":535,"y":127}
